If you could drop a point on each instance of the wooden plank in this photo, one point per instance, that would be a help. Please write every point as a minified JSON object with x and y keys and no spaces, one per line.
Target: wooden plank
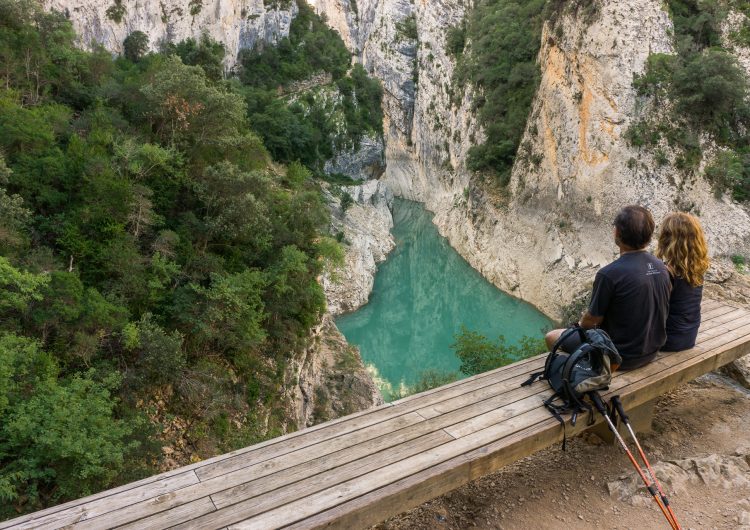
{"x":262,"y":500}
{"x":437,"y":480}
{"x":310,"y":504}
{"x":722,"y":328}
{"x":299,"y":472}
{"x":239,"y":461}
{"x":717,"y":311}
{"x":728,"y":317}
{"x":167,"y":519}
{"x":709,"y":303}
{"x":51,"y":518}
{"x":247,"y":480}
{"x":126,"y":513}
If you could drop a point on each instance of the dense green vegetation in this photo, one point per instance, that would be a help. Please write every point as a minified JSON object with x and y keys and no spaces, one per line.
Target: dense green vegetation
{"x":152,"y":266}
{"x":500,"y":61}
{"x":700,"y":89}
{"x":311,"y":126}
{"x":479,"y":354}
{"x":504,"y":37}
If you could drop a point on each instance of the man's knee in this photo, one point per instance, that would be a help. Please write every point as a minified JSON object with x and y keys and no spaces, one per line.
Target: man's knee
{"x":551,"y":337}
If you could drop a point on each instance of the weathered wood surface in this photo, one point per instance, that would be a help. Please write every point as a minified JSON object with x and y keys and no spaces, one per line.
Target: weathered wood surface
{"x":358,"y":470}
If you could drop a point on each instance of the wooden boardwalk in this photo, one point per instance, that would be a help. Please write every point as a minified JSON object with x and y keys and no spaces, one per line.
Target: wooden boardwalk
{"x":358,"y":470}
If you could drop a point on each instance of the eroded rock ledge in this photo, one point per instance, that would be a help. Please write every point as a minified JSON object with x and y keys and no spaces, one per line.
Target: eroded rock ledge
{"x":366,"y":227}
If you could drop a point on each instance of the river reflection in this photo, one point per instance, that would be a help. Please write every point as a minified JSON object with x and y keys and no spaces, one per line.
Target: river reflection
{"x":422,"y":294}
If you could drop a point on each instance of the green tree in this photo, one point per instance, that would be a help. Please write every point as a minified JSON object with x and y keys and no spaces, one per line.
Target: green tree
{"x":206,"y":53}
{"x":711,"y":89}
{"x":59,"y":439}
{"x":227,"y":316}
{"x":135,"y":46}
{"x":196,"y":116}
{"x":18,"y":289}
{"x":157,"y":355}
{"x":14,"y":216}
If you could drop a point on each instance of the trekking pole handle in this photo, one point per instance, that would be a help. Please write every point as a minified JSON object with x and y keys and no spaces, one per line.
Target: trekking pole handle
{"x":598,"y":403}
{"x":620,"y":410}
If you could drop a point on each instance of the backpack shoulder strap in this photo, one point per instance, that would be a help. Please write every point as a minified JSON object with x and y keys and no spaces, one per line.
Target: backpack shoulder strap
{"x":567,"y":333}
{"x":532,"y":378}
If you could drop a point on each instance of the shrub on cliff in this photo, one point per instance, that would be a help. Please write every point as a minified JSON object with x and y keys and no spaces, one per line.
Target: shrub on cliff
{"x":479,"y":354}
{"x":700,"y":90}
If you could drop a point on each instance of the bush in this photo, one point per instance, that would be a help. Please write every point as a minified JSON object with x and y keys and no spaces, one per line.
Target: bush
{"x":206,"y":53}
{"x":116,"y":11}
{"x":406,"y":29}
{"x":346,"y":201}
{"x":158,"y":355}
{"x":478,"y":354}
{"x":455,"y":40}
{"x":430,"y":379}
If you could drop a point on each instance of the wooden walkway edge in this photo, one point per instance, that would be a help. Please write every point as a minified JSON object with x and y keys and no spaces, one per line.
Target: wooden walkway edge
{"x":358,"y":470}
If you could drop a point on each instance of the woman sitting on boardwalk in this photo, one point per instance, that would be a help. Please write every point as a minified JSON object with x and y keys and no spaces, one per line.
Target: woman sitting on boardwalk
{"x":682,"y":247}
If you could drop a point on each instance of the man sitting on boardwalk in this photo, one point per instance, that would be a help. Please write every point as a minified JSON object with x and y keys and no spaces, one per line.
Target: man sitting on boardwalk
{"x":630,"y":297}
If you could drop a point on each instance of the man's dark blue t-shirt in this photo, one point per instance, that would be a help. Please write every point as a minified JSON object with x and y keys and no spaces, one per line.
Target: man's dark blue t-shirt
{"x":632,"y":294}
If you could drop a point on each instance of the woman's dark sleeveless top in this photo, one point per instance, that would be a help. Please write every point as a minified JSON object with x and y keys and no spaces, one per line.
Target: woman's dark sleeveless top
{"x":684,"y":315}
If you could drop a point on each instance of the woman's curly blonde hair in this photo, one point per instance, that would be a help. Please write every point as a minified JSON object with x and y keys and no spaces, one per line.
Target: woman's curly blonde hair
{"x":682,"y":247}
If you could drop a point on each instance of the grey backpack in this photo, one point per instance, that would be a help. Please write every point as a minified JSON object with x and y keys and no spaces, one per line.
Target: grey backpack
{"x":573,"y":375}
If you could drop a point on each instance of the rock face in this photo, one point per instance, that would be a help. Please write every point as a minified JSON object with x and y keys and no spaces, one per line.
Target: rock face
{"x":332,"y":380}
{"x":365,"y":163}
{"x":237,"y":23}
{"x":366,"y":227}
{"x":543,"y":238}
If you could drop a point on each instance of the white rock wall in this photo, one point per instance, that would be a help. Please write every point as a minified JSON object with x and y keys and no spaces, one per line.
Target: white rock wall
{"x":366,"y":226}
{"x":237,"y":23}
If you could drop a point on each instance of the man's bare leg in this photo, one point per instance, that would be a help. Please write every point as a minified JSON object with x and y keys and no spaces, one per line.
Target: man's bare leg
{"x":551,"y":337}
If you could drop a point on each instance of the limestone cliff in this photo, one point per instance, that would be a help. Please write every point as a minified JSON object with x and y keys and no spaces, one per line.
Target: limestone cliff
{"x":238,"y":23}
{"x":544,"y":237}
{"x":366,"y":234}
{"x":331,"y":379}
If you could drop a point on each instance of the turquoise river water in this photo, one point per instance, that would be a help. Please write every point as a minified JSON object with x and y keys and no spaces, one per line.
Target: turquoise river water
{"x":422,"y":295}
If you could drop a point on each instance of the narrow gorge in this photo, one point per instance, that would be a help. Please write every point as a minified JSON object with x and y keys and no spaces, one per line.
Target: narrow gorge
{"x":194,"y":193}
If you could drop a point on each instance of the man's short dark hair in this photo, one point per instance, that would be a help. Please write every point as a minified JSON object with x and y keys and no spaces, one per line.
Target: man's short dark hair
{"x":635,"y":226}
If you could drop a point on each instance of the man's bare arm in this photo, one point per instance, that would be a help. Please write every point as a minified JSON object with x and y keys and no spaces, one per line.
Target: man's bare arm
{"x":589,"y":321}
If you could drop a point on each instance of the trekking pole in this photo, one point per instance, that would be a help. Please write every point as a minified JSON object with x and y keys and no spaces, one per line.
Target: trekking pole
{"x":624,"y":417}
{"x":596,"y":398}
